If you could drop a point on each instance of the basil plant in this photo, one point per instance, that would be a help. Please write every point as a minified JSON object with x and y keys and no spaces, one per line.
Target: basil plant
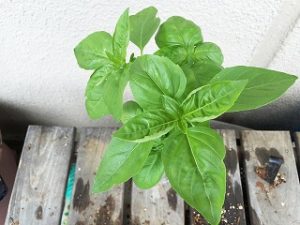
{"x":177,"y":90}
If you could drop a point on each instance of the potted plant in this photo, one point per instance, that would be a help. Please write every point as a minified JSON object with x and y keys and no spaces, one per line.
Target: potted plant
{"x":177,"y":91}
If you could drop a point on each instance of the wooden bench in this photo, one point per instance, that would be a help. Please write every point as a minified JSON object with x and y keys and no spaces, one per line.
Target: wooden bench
{"x":39,"y":191}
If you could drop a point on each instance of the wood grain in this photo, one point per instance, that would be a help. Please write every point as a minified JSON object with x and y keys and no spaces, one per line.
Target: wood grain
{"x":234,"y":211}
{"x":156,"y":206}
{"x":269,"y":204}
{"x":40,"y":182}
{"x":88,"y":208}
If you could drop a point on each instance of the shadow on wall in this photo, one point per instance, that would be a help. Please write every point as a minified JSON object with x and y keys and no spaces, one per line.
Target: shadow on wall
{"x":13,"y":120}
{"x":280,"y":115}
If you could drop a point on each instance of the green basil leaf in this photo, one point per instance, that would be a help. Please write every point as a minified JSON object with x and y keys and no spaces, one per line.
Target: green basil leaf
{"x":151,"y":172}
{"x":130,"y":110}
{"x":171,"y":106}
{"x":191,"y":82}
{"x":194,"y":165}
{"x":91,"y":52}
{"x":205,"y":124}
{"x":121,"y":161}
{"x":178,"y":31}
{"x":212,"y":100}
{"x":208,"y":50}
{"x":263,"y":87}
{"x":199,"y":73}
{"x":152,"y":76}
{"x":177,"y":54}
{"x":142,"y":26}
{"x":94,"y":102}
{"x":146,"y":126}
{"x":121,"y":37}
{"x":114,"y":86}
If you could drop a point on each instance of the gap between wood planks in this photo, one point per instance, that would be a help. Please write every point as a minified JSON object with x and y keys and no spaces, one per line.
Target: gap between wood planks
{"x":241,"y":158}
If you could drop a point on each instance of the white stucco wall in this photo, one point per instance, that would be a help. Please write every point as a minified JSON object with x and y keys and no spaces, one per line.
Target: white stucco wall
{"x":42,"y":84}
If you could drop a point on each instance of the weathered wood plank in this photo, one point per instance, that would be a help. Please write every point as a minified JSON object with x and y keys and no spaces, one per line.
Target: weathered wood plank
{"x":233,"y":212}
{"x":271,"y":204}
{"x":156,"y":206}
{"x":40,"y":182}
{"x":88,"y":208}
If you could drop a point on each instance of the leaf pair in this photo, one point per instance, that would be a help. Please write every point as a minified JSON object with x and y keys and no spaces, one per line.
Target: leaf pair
{"x":181,"y":40}
{"x":107,"y":56}
{"x":158,"y":86}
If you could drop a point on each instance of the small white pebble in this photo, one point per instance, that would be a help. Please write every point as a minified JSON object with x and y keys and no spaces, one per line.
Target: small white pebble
{"x":282,"y":204}
{"x":240,"y":207}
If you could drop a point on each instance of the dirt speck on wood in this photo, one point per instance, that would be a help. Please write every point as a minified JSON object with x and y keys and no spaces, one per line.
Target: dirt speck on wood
{"x":172,"y":199}
{"x":39,"y":213}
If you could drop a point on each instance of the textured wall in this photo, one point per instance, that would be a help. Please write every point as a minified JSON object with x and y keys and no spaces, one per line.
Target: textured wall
{"x":41,"y":82}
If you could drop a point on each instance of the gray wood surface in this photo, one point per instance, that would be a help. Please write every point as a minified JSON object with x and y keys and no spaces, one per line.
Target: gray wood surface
{"x":234,"y":211}
{"x":269,"y":204}
{"x":40,"y":182}
{"x":159,"y":205}
{"x":88,"y":208}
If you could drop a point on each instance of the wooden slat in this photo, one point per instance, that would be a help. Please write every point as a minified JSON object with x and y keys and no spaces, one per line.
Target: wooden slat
{"x":268,"y":204}
{"x":233,"y":212}
{"x":40,"y":182}
{"x":88,"y":208}
{"x":156,"y":206}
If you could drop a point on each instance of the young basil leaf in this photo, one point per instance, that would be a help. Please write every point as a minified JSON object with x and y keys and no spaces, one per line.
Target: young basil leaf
{"x":153,"y":76}
{"x":182,"y":125}
{"x":121,"y":161}
{"x":94,"y":102}
{"x":142,"y":26}
{"x":130,"y":110}
{"x":171,"y":106}
{"x":263,"y":87}
{"x":208,"y":50}
{"x":177,"y":31}
{"x":146,"y":126}
{"x":91,"y":52}
{"x":151,"y":172}
{"x":199,"y":73}
{"x":194,"y":165}
{"x":212,"y":100}
{"x":114,"y":86}
{"x":121,"y":37}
